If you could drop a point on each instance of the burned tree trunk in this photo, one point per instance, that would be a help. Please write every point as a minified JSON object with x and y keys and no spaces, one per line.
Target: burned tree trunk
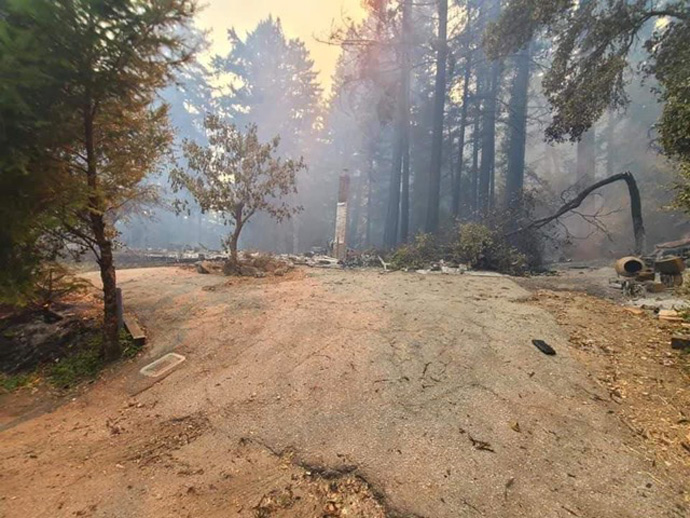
{"x":434,"y":194}
{"x":457,"y":183}
{"x":390,"y":234}
{"x":405,"y":116}
{"x":517,"y":131}
{"x":488,"y":154}
{"x":635,"y":208}
{"x":476,"y":147}
{"x":586,"y":157}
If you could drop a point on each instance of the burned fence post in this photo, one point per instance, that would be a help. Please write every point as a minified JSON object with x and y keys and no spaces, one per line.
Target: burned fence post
{"x":120,"y":308}
{"x":340,"y":241}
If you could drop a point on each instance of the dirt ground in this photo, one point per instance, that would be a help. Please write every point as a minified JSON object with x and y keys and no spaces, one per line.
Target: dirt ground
{"x":352,"y":393}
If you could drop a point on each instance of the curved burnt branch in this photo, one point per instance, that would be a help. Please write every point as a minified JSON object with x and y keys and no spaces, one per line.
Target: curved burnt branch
{"x":635,"y":207}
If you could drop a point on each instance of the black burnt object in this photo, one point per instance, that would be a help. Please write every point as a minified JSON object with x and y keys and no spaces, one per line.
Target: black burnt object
{"x":544,"y":347}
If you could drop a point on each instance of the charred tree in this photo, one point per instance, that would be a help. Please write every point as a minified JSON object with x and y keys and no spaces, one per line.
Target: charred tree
{"x":610,"y":143}
{"x":457,"y":184}
{"x":635,"y":208}
{"x":399,"y":179}
{"x":390,"y":233}
{"x":517,"y":131}
{"x":370,"y":202}
{"x":476,"y":149}
{"x":405,"y":115}
{"x":488,"y":138}
{"x":586,"y":158}
{"x":434,"y":193}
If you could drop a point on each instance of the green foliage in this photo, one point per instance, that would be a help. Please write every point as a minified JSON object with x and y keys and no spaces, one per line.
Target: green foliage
{"x":28,"y":177}
{"x":275,"y":85}
{"x":80,"y":123}
{"x":471,"y":244}
{"x":86,"y":361}
{"x":594,"y":43}
{"x":672,"y":67}
{"x":474,"y":240}
{"x":14,"y":382}
{"x":129,"y":348}
{"x":418,"y":254}
{"x":45,"y":283}
{"x":485,"y":249}
{"x":79,"y":361}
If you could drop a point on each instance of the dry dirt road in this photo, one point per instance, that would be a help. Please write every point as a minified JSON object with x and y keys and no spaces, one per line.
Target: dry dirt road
{"x":330,"y":393}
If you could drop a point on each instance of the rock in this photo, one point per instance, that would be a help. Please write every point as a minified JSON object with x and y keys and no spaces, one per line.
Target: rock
{"x":680,"y":342}
{"x":635,"y":311}
{"x":230,"y":267}
{"x":249,"y":271}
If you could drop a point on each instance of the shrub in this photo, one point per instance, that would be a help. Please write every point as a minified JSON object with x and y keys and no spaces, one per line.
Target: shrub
{"x":11,"y":383}
{"x":418,"y":254}
{"x":472,"y":244}
{"x":482,"y":248}
{"x":86,"y":362}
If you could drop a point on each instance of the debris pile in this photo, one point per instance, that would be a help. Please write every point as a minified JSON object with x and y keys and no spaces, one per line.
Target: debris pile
{"x":637,"y":276}
{"x":136,"y":258}
{"x":247,"y":265}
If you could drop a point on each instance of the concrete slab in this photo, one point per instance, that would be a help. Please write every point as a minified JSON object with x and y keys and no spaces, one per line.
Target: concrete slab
{"x":162,"y":365}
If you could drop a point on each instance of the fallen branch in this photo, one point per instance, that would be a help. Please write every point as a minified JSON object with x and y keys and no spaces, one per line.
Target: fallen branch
{"x":383,"y":263}
{"x":635,"y":207}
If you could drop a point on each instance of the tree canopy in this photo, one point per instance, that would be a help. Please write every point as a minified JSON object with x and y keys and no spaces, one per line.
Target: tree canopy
{"x":105,"y":62}
{"x":593,"y":47}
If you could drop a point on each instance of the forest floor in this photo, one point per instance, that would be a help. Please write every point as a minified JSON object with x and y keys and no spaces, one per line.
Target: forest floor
{"x":330,"y":393}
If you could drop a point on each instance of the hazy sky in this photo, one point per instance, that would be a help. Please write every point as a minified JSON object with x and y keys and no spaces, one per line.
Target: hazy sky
{"x":305,"y":19}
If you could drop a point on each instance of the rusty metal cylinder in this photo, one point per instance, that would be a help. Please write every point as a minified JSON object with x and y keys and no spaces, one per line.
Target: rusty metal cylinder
{"x":629,"y":266}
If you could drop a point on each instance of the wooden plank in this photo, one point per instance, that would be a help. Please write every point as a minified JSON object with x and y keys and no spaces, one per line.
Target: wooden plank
{"x":135,"y":329}
{"x":670,"y":315}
